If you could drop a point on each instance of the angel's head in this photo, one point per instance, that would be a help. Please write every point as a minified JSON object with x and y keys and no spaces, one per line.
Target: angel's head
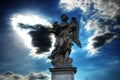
{"x":64,"y":17}
{"x":73,"y":20}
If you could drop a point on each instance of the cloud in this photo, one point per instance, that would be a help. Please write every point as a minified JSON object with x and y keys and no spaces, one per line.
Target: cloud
{"x":40,"y":37}
{"x":103,"y":39}
{"x":105,"y":7}
{"x":32,"y":76}
{"x":70,"y":5}
{"x":97,"y":41}
{"x":11,"y":76}
{"x":101,"y":35}
{"x":102,"y":19}
{"x":38,"y":76}
{"x":109,"y":8}
{"x":34,"y":31}
{"x":117,"y":27}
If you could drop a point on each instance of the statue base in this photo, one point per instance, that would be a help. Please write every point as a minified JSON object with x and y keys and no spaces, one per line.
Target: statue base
{"x":66,"y":73}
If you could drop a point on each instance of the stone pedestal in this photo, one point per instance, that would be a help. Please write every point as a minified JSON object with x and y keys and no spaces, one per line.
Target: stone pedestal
{"x":63,"y":73}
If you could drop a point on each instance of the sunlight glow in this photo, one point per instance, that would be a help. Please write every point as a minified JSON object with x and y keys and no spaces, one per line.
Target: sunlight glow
{"x":30,"y":20}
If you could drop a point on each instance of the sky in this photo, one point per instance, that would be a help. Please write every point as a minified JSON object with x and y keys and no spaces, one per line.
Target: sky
{"x":25,"y":41}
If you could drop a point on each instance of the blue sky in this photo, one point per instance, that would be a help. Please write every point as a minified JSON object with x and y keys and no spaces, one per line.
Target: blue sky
{"x":99,"y":23}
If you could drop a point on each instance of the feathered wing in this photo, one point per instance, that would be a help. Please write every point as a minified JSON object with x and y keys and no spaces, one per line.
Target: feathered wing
{"x":75,"y":34}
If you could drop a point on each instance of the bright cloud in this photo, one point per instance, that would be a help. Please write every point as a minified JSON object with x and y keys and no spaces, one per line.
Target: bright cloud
{"x":108,"y":7}
{"x":70,"y":5}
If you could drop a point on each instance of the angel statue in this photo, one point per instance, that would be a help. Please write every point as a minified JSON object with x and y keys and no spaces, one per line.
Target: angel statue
{"x":65,"y":34}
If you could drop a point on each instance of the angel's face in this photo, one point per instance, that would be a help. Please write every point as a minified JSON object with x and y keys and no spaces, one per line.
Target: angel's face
{"x":64,"y":17}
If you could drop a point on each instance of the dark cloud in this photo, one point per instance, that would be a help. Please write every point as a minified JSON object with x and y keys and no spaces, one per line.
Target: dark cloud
{"x":102,"y":39}
{"x":40,"y":37}
{"x":112,"y":22}
{"x":38,"y":76}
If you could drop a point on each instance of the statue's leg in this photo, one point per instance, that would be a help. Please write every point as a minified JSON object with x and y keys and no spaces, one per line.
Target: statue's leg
{"x":66,"y":57}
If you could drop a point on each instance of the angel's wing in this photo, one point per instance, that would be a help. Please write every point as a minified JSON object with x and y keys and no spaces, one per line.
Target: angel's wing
{"x":75,"y":33}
